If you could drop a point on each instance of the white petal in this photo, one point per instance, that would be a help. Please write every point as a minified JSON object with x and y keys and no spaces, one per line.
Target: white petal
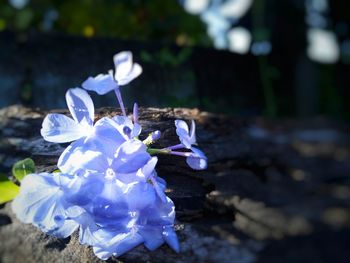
{"x":134,"y":73}
{"x":181,"y":125}
{"x":60,"y":129}
{"x":80,"y":106}
{"x":183,"y":133}
{"x":123,"y":64}
{"x":193,"y":133}
{"x":79,"y":158}
{"x":41,"y":201}
{"x":101,"y":84}
{"x":199,"y":161}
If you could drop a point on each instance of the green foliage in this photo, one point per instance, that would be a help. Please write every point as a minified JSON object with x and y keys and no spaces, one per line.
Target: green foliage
{"x":22,"y":168}
{"x":166,"y":57}
{"x":8,"y":190}
{"x":126,"y":19}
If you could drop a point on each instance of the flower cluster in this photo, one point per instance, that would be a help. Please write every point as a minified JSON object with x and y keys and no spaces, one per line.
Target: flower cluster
{"x":107,"y":185}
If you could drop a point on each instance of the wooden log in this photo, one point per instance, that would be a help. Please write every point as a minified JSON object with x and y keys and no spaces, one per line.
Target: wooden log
{"x":274,"y":190}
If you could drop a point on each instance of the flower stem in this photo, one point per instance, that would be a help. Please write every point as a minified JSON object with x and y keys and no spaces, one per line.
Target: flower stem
{"x":120,"y":100}
{"x":175,"y":147}
{"x":135,"y":113}
{"x":153,"y":151}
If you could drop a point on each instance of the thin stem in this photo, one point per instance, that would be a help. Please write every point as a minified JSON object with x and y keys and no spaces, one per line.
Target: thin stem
{"x":135,"y":113}
{"x":175,"y":147}
{"x":153,"y":151}
{"x":120,"y":100}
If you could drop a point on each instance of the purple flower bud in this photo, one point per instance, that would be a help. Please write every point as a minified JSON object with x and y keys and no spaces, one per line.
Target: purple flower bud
{"x":156,"y":135}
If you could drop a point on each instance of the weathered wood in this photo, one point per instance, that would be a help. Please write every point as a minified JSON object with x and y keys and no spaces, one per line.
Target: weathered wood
{"x":274,"y":191}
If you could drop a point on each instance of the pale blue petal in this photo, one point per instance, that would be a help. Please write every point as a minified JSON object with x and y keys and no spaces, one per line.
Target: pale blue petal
{"x":161,"y":183}
{"x":89,"y":188}
{"x":198,"y":161}
{"x":145,"y":172}
{"x":171,"y":238}
{"x":136,"y":130}
{"x":193,"y":133}
{"x":140,"y":195}
{"x":80,"y":106}
{"x":64,"y":227}
{"x":183,"y":133}
{"x":118,"y":245}
{"x":134,"y":73}
{"x":156,"y":224}
{"x":122,"y":121}
{"x":102,"y":84}
{"x":181,"y":125}
{"x":93,"y":153}
{"x":152,"y":236}
{"x":41,"y":201}
{"x":77,"y":158}
{"x":123,"y":65}
{"x":159,"y":189}
{"x":107,"y":137}
{"x":125,"y":69}
{"x":131,"y":156}
{"x":60,"y":129}
{"x":160,"y":214}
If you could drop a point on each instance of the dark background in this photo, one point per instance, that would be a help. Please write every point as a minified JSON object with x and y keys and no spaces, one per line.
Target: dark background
{"x":48,"y":46}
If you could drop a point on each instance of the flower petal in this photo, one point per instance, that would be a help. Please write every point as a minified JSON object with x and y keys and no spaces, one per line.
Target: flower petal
{"x":60,"y":129}
{"x":183,"y":133}
{"x":140,"y":195}
{"x":130,"y":157}
{"x":122,"y":122}
{"x":158,"y":187}
{"x":80,"y":106}
{"x":42,"y":202}
{"x":102,"y":84}
{"x":197,"y":161}
{"x":134,"y":73}
{"x":116,"y":244}
{"x":107,"y":136}
{"x":123,"y":65}
{"x":171,"y":238}
{"x":152,"y":236}
{"x":193,"y":133}
{"x":77,"y":158}
{"x":147,"y":170}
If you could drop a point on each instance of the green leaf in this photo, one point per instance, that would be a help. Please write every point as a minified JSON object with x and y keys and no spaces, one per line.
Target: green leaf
{"x":57,"y":171}
{"x":8,"y":190}
{"x":22,"y":168}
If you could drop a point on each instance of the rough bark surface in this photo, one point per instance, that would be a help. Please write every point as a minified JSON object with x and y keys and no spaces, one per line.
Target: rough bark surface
{"x":274,"y":191}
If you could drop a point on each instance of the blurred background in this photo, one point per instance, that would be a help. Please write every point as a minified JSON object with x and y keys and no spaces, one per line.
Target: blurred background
{"x":287,"y":58}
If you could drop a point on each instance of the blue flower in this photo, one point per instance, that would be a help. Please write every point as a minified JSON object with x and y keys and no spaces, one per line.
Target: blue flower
{"x":186,"y":136}
{"x":100,"y":155}
{"x":125,"y":72}
{"x":120,"y":216}
{"x":42,"y":201}
{"x":196,"y":159}
{"x":108,"y":187}
{"x":103,"y":141}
